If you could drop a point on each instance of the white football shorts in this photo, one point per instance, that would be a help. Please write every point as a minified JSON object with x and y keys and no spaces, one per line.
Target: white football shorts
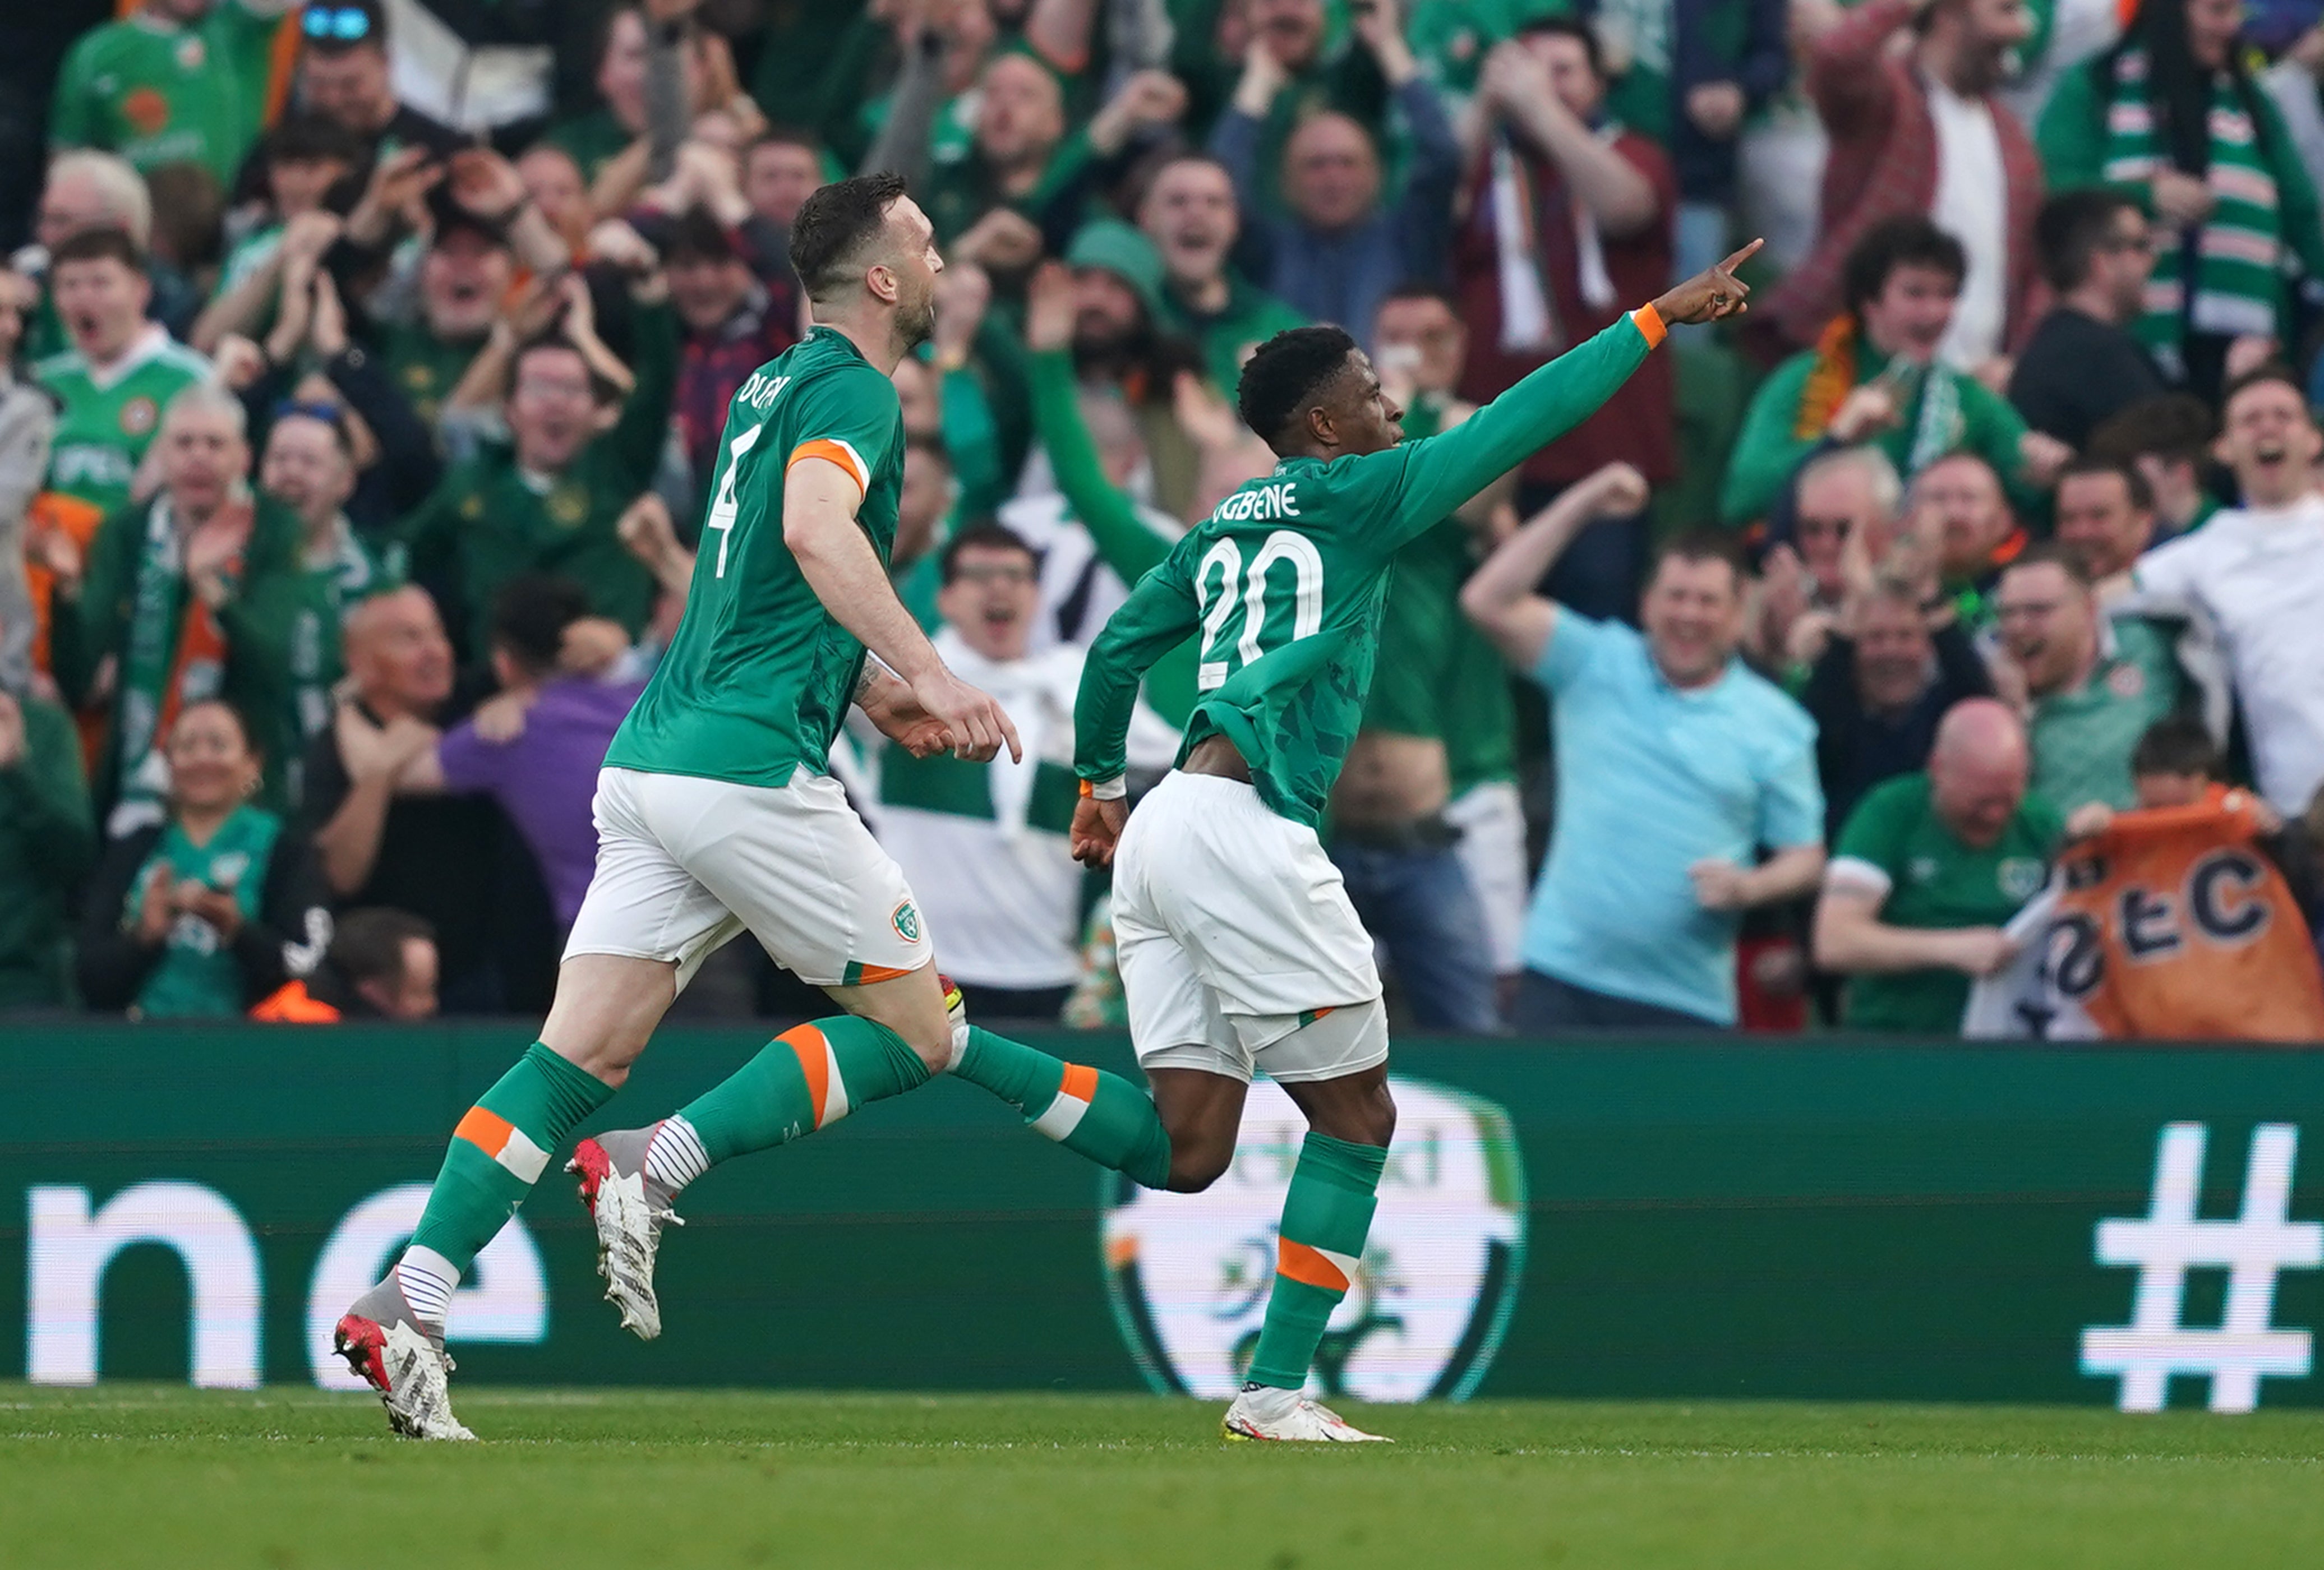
{"x":683,"y":863}
{"x":1233,"y":930}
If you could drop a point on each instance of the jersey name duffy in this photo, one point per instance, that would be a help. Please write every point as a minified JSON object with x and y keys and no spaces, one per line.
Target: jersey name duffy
{"x":760,"y":675}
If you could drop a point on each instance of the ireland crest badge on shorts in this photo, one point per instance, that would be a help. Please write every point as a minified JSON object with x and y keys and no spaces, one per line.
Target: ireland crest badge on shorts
{"x":1189,"y":1273}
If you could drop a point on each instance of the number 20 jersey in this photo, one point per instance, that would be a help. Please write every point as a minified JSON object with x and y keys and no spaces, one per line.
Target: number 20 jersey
{"x":1282,"y":585}
{"x":759,"y":678}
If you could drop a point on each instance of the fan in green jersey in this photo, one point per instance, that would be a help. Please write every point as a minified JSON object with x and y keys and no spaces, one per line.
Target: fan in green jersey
{"x":120,"y":373}
{"x":1237,"y":945}
{"x":175,"y":81}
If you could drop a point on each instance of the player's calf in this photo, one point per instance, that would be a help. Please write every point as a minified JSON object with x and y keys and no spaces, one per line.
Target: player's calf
{"x":1093,"y":1113}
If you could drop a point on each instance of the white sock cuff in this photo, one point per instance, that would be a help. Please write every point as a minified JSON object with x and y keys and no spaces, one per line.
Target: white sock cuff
{"x":674,"y":1155}
{"x":427,"y":1278}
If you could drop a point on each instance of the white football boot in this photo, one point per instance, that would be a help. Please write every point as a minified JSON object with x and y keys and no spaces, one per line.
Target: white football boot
{"x":391,"y":1351}
{"x":1265,"y":1414}
{"x":630,"y":1209}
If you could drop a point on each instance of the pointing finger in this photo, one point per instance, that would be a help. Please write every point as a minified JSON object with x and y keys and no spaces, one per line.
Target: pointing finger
{"x":1009,"y":730}
{"x":1742,"y":256}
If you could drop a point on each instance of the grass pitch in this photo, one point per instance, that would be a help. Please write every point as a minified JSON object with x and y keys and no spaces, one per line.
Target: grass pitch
{"x":134,"y":1475}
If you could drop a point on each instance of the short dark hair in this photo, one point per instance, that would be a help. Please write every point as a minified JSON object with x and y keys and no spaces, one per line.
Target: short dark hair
{"x":1699,"y":545}
{"x":530,"y":613}
{"x":983,"y":535}
{"x":2176,"y":745}
{"x":1283,"y":375}
{"x":1574,"y":28}
{"x":2142,"y":494}
{"x":233,"y":711}
{"x":2260,"y":375}
{"x":1909,"y":240}
{"x":698,"y":235}
{"x":2071,"y":228}
{"x":303,"y":138}
{"x":100,"y":246}
{"x":367,"y":944}
{"x":2048,"y":553}
{"x":2171,"y":425}
{"x":835,"y":225}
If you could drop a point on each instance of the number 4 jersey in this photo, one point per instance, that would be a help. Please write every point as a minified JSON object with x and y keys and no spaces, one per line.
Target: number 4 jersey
{"x":1284,"y":583}
{"x":759,"y":678}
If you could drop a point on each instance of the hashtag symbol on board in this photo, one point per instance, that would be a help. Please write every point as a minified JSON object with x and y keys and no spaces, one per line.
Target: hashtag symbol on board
{"x":2253,"y":1248}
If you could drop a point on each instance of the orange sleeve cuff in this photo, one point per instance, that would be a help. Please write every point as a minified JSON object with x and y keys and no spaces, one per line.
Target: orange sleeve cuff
{"x":1650,"y":322}
{"x":833,"y":452}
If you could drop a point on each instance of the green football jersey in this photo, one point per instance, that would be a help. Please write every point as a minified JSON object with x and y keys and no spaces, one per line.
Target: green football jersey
{"x":1894,"y":843}
{"x":158,"y":94}
{"x":760,"y":675}
{"x":1284,"y":583}
{"x":109,"y":416}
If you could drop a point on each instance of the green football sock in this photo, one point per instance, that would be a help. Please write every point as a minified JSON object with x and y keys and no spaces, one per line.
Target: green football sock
{"x":499,"y":1151}
{"x":1099,"y":1115}
{"x":1334,"y":1190}
{"x":803,"y":1079}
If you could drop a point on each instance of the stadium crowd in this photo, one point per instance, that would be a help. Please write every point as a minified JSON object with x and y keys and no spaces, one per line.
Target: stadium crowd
{"x":364,"y":367}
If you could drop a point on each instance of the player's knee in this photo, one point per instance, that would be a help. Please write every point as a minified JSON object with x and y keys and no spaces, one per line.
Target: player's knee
{"x":1194,"y":1171}
{"x":1199,"y":1157}
{"x":1377,"y":1112}
{"x":602,"y":1057}
{"x":931,"y":1044}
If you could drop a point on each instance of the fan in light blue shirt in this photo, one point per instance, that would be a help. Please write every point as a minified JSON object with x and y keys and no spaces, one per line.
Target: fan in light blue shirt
{"x":1676,"y":767}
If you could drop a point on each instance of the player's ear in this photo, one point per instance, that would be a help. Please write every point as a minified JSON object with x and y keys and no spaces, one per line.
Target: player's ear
{"x":1321,"y":427}
{"x":881,"y":279}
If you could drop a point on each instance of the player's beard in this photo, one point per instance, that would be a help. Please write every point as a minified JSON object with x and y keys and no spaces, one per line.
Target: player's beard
{"x":915,"y":322}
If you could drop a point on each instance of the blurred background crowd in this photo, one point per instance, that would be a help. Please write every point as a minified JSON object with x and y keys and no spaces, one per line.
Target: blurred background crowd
{"x":1943,"y":637}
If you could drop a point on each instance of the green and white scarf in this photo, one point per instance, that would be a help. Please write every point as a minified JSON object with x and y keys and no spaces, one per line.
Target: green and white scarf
{"x":198,"y":976}
{"x":2237,"y":287}
{"x":338,"y":571}
{"x":166,"y":665}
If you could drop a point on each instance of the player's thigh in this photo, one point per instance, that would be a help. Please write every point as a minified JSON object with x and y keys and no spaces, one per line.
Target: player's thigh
{"x":1261,"y":911}
{"x":644,"y":927}
{"x":1175,"y":1020}
{"x":799,"y":870}
{"x":911,"y":1005}
{"x":1354,"y":1106}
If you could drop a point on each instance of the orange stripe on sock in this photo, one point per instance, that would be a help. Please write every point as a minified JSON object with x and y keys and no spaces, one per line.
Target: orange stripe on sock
{"x":815,"y":1062}
{"x":1081,"y":1082}
{"x":1302,"y":1263}
{"x":485,"y":1129}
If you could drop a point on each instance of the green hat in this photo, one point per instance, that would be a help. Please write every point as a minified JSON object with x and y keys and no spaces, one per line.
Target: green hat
{"x":1124,"y":250}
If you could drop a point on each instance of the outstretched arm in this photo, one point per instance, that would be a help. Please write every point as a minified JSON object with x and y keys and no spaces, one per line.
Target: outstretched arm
{"x":1500,"y":596}
{"x":1445,"y":471}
